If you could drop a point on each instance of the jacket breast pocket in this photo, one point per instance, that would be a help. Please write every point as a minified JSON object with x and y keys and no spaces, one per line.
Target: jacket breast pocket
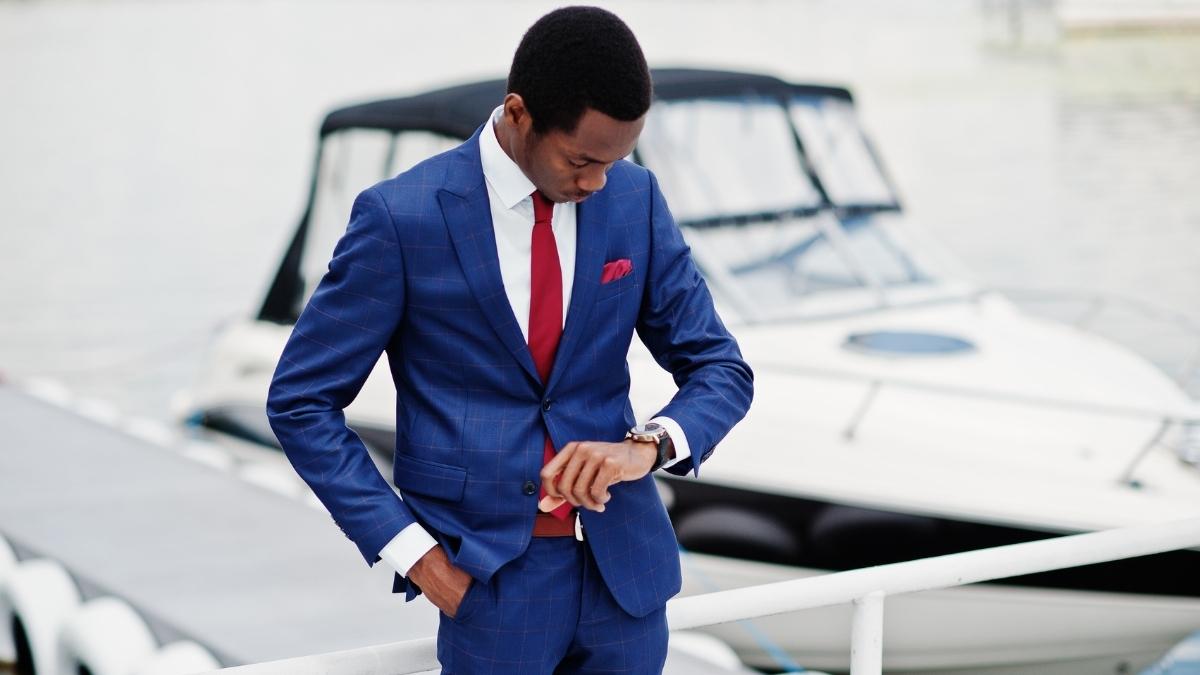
{"x":429,"y":479}
{"x":619,"y":287}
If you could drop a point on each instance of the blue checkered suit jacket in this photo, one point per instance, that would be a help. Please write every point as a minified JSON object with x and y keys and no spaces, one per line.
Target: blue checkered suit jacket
{"x":416,"y":275}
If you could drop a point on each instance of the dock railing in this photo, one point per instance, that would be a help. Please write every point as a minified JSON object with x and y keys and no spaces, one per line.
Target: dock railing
{"x":867,"y":589}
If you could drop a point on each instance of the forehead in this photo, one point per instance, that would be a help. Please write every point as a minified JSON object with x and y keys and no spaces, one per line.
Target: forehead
{"x":601,"y":138}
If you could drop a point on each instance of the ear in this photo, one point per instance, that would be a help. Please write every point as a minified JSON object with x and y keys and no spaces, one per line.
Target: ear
{"x":516,"y":113}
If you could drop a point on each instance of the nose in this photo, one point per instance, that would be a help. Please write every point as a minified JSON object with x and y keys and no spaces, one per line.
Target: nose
{"x":592,"y":179}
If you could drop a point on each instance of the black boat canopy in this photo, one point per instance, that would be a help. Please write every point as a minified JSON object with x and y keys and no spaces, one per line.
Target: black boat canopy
{"x":764,"y":159}
{"x":456,"y":111}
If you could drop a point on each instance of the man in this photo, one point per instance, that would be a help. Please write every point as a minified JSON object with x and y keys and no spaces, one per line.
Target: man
{"x":505,"y":279}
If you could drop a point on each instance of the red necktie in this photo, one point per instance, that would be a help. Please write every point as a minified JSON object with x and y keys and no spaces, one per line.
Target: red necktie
{"x":545,"y":309}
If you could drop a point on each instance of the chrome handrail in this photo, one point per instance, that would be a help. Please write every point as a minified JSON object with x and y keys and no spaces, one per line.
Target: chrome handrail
{"x":867,"y":589}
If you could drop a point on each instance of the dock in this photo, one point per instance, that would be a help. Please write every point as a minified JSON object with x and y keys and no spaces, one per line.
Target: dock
{"x":249,"y":574}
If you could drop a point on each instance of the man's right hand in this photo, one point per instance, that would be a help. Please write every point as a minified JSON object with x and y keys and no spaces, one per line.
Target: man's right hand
{"x":442,"y":582}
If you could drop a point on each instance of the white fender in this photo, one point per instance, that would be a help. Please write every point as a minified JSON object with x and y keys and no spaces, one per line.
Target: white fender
{"x":178,"y":658}
{"x":106,"y":636}
{"x":8,"y":565}
{"x":42,"y":595}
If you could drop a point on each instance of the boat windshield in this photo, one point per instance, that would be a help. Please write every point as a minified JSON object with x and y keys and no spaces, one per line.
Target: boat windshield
{"x":776,"y":265}
{"x":779,"y":200}
{"x":725,"y":157}
{"x":351,"y":160}
{"x":838,"y":151}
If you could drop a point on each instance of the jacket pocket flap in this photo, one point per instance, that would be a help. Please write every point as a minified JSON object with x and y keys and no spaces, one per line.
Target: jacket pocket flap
{"x":431,"y":479}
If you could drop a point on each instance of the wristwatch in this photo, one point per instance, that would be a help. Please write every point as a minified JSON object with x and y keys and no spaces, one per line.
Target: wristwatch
{"x":653,"y":432}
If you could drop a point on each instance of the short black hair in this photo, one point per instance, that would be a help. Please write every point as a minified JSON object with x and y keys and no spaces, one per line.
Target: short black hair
{"x":576,"y":58}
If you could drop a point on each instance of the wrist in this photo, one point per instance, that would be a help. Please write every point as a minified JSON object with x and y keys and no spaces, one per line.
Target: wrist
{"x":645,"y":452}
{"x":654,"y":434}
{"x":420,"y":568}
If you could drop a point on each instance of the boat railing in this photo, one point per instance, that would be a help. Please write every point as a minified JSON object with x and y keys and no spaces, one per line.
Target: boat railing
{"x":867,"y":589}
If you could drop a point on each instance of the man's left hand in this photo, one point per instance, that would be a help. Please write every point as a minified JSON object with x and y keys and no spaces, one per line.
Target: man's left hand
{"x":582,"y":471}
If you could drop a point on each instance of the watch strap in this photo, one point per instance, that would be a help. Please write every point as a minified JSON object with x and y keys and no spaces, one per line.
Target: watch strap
{"x":657,"y":434}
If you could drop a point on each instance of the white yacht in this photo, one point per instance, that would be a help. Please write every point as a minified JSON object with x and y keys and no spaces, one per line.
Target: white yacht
{"x":900,"y":410}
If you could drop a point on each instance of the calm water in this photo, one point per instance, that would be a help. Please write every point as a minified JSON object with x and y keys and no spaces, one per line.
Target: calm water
{"x":154,"y":156}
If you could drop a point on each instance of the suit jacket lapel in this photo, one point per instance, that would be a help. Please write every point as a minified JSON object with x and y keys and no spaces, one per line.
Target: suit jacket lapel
{"x":591,"y":245}
{"x":468,"y":215}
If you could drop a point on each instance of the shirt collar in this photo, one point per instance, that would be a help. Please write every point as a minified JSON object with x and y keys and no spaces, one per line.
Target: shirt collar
{"x":503,"y":174}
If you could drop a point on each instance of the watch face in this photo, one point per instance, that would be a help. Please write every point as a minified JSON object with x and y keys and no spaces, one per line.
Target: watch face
{"x":647,"y":428}
{"x":649,"y":432}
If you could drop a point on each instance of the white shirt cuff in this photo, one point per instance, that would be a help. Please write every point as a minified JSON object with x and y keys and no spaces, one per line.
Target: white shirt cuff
{"x":678,"y":439}
{"x":407,"y":547}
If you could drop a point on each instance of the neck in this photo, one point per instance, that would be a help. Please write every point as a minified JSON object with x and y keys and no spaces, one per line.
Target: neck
{"x":504,"y":136}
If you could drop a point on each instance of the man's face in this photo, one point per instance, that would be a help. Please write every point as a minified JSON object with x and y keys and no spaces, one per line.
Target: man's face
{"x":570,"y":167}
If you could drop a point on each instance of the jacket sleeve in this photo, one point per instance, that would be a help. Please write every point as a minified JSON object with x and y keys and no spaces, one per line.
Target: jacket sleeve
{"x":334,"y":346}
{"x":682,"y":330}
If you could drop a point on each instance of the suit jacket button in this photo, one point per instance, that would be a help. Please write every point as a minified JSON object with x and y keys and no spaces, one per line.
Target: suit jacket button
{"x":529,"y":487}
{"x":546,"y":405}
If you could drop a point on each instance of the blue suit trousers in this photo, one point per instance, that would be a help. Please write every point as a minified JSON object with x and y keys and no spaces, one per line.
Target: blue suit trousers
{"x":549,"y":611}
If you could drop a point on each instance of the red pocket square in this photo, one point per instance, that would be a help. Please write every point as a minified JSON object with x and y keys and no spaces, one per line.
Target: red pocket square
{"x":616,"y":269}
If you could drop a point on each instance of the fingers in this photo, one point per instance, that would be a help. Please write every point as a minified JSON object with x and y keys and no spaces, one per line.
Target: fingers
{"x":585,"y":479}
{"x":606,"y":476}
{"x":548,"y":503}
{"x":581,"y":488}
{"x":550,"y":472}
{"x":581,"y":474}
{"x":461,"y":595}
{"x":570,"y":472}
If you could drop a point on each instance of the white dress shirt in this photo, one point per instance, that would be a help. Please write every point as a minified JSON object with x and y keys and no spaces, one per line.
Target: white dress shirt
{"x":509,"y":193}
